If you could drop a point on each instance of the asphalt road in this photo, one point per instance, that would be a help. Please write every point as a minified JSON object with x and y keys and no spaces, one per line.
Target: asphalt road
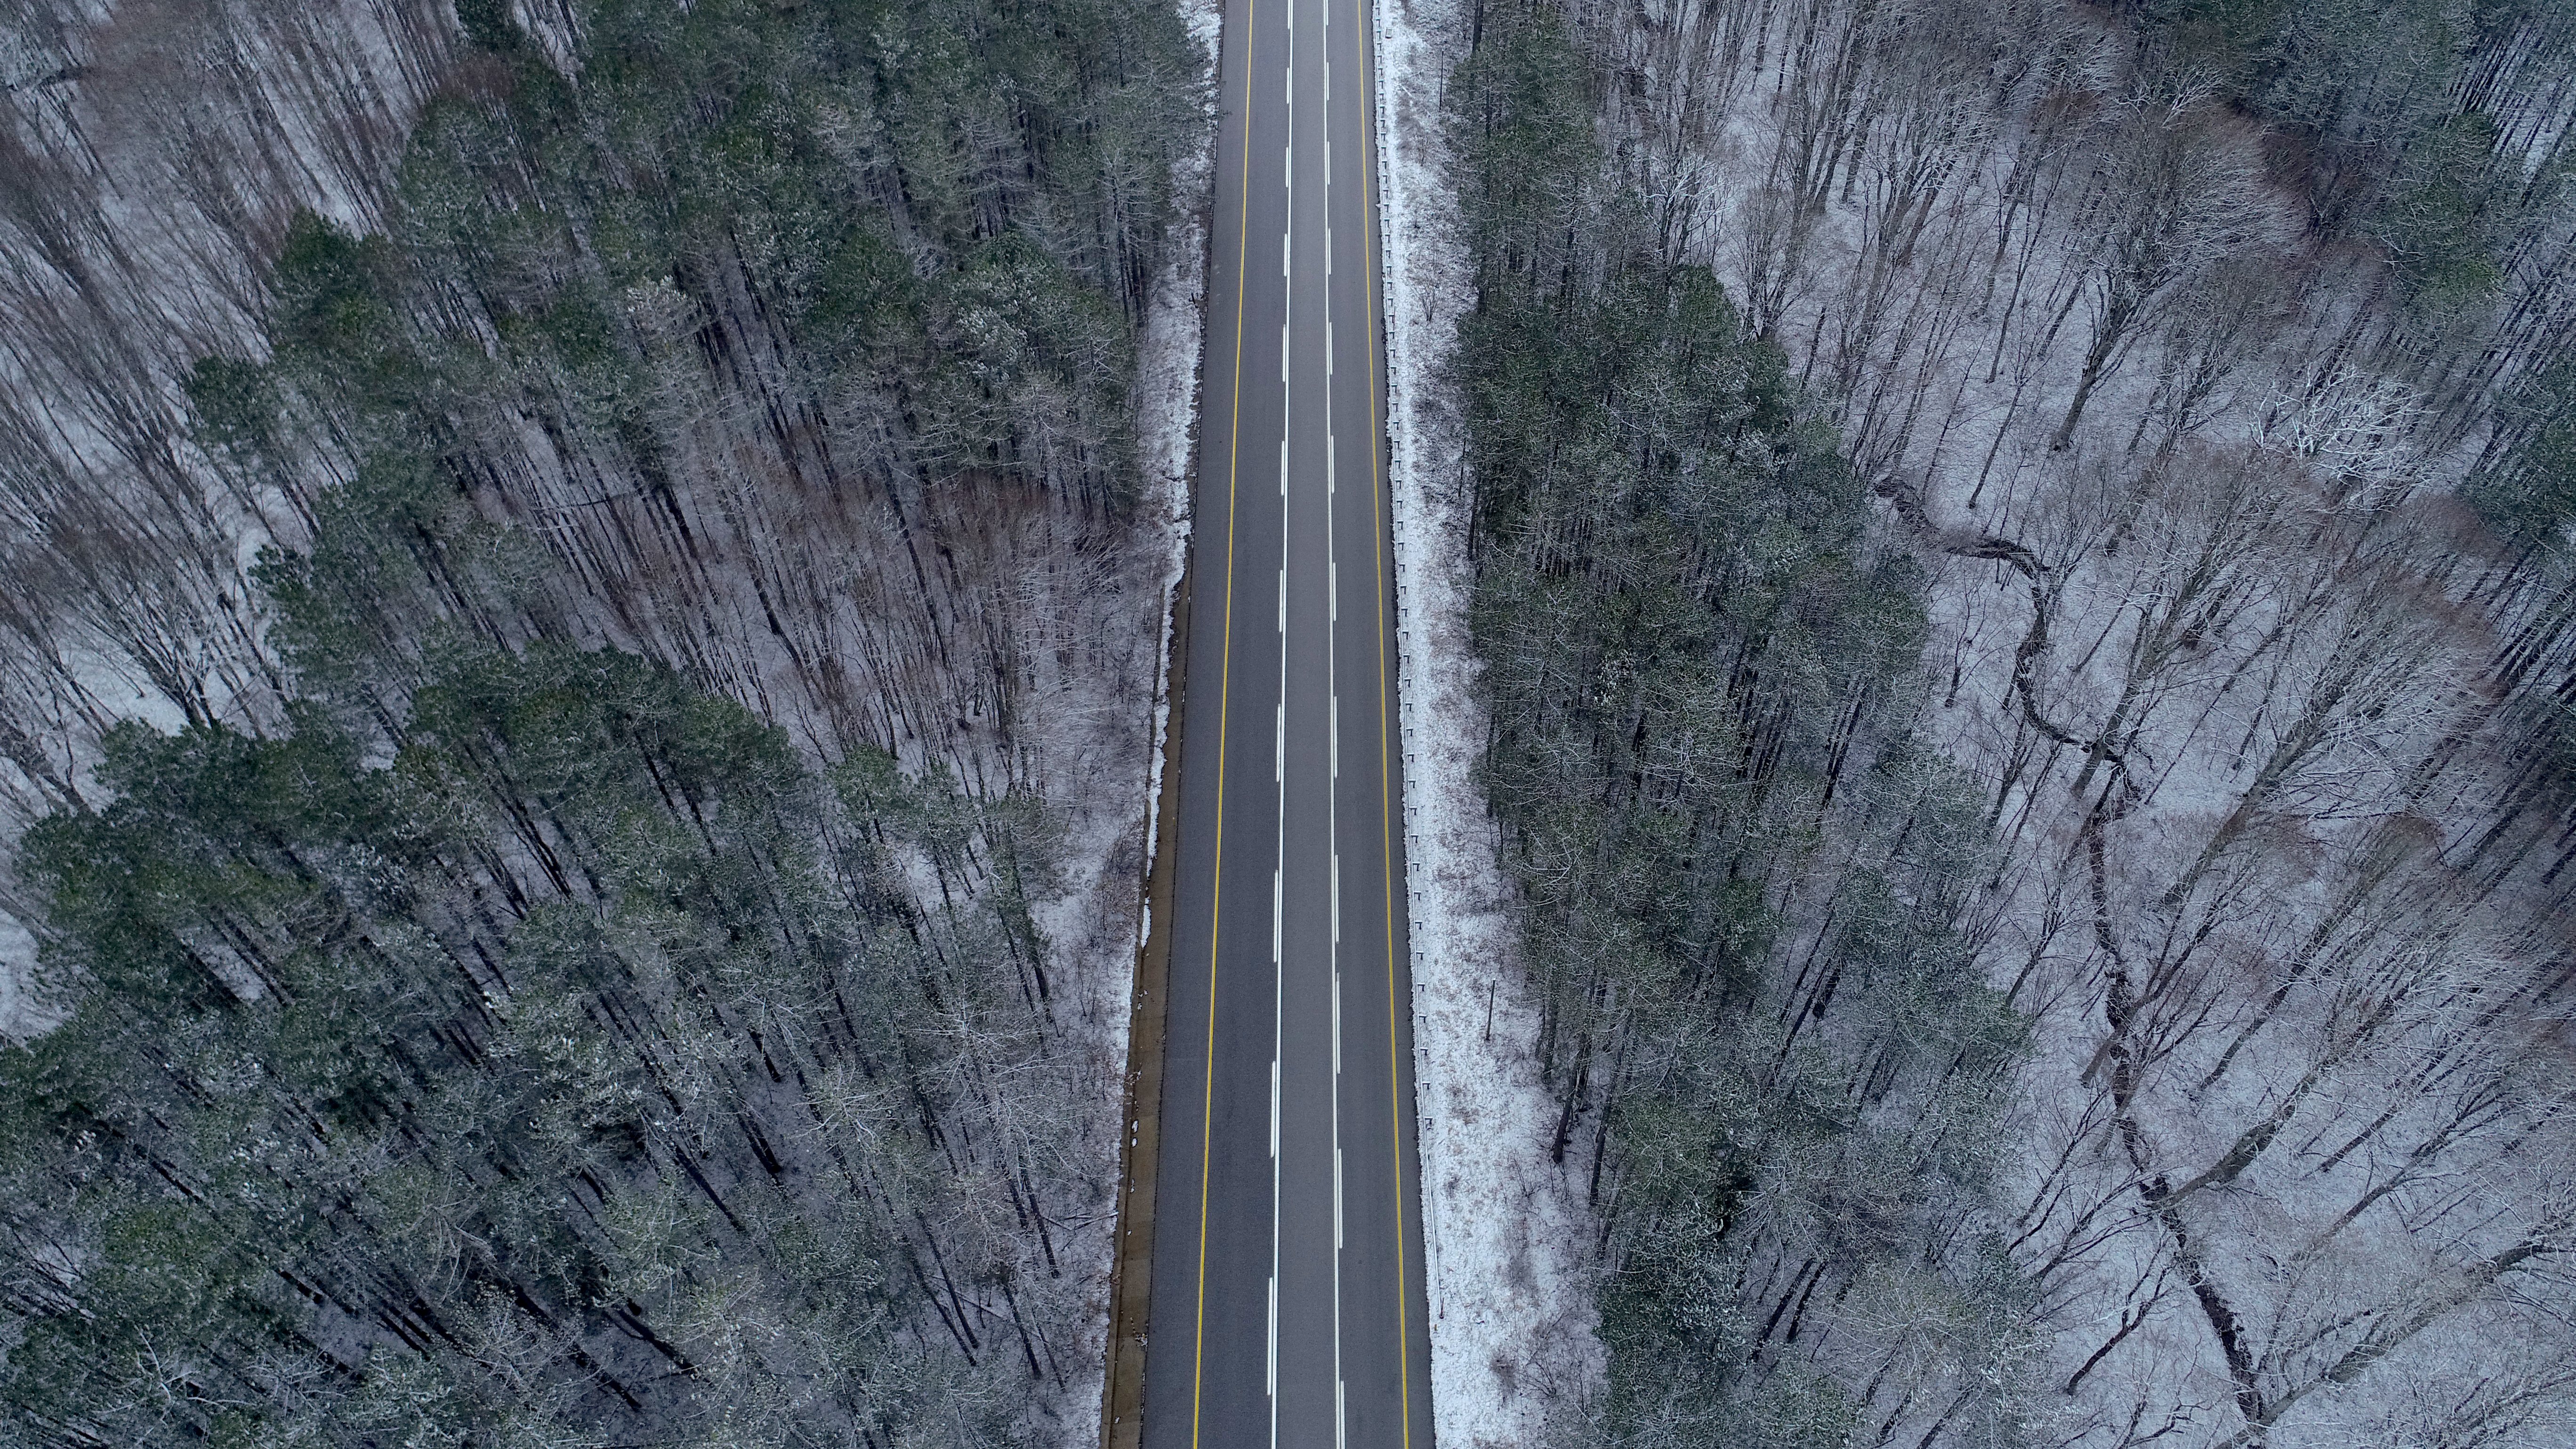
{"x":1287,"y":1298}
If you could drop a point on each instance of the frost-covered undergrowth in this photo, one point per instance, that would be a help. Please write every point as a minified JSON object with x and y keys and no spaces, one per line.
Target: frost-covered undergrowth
{"x":1508,"y":1240}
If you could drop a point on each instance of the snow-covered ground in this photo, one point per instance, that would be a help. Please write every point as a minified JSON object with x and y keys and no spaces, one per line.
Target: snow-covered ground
{"x":1507,"y":1236}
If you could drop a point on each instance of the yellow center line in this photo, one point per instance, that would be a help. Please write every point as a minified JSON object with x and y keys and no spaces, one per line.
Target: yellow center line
{"x":1385,"y":803}
{"x":1225,"y":685}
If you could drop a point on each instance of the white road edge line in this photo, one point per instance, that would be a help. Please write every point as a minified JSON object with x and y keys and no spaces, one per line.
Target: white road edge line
{"x":1279,"y":755}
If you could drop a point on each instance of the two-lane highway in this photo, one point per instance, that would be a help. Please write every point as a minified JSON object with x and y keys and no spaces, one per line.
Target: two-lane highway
{"x":1287,"y":1297}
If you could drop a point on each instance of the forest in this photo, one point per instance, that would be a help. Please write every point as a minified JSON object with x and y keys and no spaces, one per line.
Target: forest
{"x":581,"y":613}
{"x":2021,"y":565}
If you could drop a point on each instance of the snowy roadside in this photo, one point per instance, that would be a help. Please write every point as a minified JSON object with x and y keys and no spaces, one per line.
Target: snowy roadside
{"x":1167,"y":418}
{"x":1513,"y":1350}
{"x":1102,"y":919}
